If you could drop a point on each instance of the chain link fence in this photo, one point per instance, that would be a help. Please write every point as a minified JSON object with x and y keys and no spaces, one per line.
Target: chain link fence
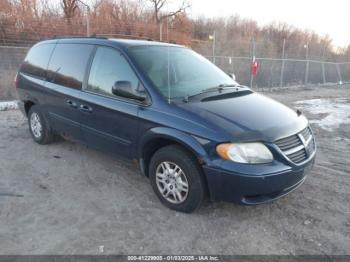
{"x":296,"y":59}
{"x":280,"y":63}
{"x":10,"y":59}
{"x":272,"y":73}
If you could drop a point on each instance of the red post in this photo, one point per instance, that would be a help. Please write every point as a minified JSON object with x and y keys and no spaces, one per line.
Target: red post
{"x":254,"y":68}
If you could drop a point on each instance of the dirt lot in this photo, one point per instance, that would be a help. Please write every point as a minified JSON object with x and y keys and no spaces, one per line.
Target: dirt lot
{"x":67,"y":199}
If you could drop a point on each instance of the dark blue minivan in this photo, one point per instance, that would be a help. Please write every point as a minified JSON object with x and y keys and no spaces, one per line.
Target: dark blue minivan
{"x":194,"y":131}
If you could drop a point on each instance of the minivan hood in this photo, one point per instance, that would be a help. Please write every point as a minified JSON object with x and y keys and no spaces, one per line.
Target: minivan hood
{"x":252,"y":117}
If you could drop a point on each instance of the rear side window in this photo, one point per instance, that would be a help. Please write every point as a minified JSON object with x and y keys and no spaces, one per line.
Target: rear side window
{"x":36,"y":61}
{"x":68,"y":64}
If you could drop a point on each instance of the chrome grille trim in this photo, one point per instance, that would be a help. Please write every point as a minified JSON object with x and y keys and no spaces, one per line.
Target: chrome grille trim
{"x":293,"y":150}
{"x":298,"y":148}
{"x":288,"y":142}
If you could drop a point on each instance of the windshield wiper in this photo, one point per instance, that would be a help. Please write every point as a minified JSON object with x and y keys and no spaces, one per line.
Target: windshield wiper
{"x":217,"y":88}
{"x":211,"y":89}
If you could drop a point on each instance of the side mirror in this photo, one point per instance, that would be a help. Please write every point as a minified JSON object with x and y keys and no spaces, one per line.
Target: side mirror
{"x":232,"y":75}
{"x":125,"y":89}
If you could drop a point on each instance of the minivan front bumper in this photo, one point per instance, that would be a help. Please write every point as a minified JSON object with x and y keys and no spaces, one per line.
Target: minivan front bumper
{"x":252,"y":189}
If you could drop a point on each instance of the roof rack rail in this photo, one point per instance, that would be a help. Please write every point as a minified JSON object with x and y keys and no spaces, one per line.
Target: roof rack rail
{"x":126,"y":36}
{"x":75,"y":36}
{"x":97,"y":36}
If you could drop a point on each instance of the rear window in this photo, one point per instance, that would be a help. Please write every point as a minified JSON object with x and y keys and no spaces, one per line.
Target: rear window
{"x":68,"y":64}
{"x":36,"y":61}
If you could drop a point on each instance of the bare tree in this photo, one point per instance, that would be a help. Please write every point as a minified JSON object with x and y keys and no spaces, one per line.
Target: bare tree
{"x":159,"y":16}
{"x":69,"y":8}
{"x":159,"y":4}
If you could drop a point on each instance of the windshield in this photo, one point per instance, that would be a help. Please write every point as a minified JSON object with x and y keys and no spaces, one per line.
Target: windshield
{"x":178,"y":72}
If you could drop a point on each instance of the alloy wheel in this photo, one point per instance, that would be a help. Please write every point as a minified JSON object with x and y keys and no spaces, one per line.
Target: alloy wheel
{"x":35,"y":125}
{"x":172,"y":182}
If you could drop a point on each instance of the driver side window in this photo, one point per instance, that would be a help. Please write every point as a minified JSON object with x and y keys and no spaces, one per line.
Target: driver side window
{"x":108,"y":67}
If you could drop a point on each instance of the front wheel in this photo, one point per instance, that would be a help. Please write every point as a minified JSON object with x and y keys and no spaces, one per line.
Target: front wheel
{"x":177,"y":179}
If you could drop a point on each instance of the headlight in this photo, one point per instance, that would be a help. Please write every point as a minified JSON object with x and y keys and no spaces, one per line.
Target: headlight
{"x":250,"y":153}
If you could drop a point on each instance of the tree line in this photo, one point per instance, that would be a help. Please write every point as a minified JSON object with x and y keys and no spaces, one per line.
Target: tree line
{"x":27,"y":21}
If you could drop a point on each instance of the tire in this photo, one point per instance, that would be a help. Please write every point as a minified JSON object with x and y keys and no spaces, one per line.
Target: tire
{"x":39,"y":126}
{"x":187,"y":169}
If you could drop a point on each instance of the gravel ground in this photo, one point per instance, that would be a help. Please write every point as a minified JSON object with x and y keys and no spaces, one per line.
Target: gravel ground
{"x":68,"y":199}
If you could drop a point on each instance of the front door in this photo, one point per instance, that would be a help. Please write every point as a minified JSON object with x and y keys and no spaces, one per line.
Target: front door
{"x":110,"y":122}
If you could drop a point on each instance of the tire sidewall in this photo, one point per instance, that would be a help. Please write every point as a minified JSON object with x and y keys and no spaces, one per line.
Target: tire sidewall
{"x":45,"y":132}
{"x":191,"y":171}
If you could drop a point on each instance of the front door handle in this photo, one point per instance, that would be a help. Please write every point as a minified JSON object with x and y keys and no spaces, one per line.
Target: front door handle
{"x":71,"y":103}
{"x":85,"y":108}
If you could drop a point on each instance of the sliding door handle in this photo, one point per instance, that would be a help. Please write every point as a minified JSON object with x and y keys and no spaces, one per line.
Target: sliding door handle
{"x":85,"y":108}
{"x":71,"y":103}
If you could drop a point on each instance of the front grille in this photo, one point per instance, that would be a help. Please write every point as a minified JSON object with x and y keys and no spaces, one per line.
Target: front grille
{"x":288,"y":143}
{"x":298,"y":156}
{"x":306,"y":133}
{"x":311,"y":146}
{"x":298,"y":147}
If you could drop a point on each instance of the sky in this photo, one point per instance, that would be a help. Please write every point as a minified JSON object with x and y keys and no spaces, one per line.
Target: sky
{"x":323,"y":16}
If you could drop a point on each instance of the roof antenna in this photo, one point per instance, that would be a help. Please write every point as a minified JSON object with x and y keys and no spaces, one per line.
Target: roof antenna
{"x":168,"y":74}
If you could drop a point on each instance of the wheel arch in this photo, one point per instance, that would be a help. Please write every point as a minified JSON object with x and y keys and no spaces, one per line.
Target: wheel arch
{"x":27,"y":105}
{"x":159,"y":137}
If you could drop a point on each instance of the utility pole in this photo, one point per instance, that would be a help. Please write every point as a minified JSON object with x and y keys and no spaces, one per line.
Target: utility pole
{"x":167,"y":29}
{"x":253,"y":60}
{"x":88,"y":22}
{"x":233,"y":63}
{"x":323,"y":69}
{"x":214,"y":39}
{"x":87,"y":17}
{"x":161,"y":31}
{"x":307,"y":64}
{"x":339,"y":74}
{"x":282,"y":66}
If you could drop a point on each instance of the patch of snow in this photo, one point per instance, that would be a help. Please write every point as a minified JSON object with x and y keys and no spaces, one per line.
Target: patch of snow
{"x":336,"y":110}
{"x":8,"y":105}
{"x":306,"y":222}
{"x":296,"y":87}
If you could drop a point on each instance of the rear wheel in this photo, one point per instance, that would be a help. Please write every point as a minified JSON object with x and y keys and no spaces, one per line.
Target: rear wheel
{"x":39,"y":126}
{"x":177,"y":179}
